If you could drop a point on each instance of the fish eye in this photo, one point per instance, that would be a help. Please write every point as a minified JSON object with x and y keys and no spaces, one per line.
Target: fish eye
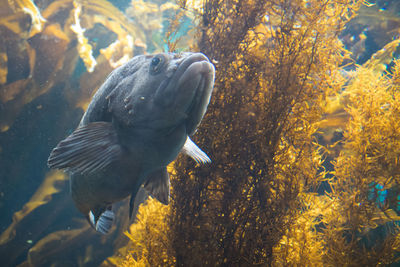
{"x":156,"y":63}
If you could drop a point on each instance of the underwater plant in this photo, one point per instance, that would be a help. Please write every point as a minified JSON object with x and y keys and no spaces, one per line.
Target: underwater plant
{"x":376,"y":25}
{"x":255,"y":203}
{"x":365,"y":188}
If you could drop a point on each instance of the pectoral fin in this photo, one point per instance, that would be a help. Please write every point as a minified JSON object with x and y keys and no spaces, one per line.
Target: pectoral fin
{"x":157,"y":185}
{"x":88,"y":149}
{"x":193,"y":151}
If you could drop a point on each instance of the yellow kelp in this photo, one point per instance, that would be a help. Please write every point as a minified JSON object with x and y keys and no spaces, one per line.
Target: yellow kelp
{"x":367,"y":174}
{"x":356,"y":219}
{"x":276,"y":63}
{"x":126,"y":46}
{"x":145,"y":234}
{"x":29,"y":7}
{"x":10,"y":239}
{"x":302,"y":245}
{"x":84,"y":48}
{"x":149,"y":16}
{"x":3,"y":67}
{"x":43,"y":58}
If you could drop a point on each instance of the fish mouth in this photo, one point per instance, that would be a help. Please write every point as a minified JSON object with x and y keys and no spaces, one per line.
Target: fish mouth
{"x":193,"y":87}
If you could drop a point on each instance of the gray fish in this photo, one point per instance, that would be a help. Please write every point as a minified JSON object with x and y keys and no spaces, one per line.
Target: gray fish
{"x":136,"y":124}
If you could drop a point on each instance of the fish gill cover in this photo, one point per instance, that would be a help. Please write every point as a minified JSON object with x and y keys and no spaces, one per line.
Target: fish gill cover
{"x":304,"y":143}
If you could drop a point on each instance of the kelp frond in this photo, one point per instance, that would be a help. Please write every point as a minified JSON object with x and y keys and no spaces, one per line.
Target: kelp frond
{"x":149,"y":236}
{"x":29,"y":7}
{"x":84,"y":48}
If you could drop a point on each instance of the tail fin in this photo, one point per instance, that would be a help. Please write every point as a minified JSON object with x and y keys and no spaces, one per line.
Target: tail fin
{"x":103,"y":223}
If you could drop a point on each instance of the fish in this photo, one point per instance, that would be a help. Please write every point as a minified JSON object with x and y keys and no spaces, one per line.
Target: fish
{"x":137,"y":122}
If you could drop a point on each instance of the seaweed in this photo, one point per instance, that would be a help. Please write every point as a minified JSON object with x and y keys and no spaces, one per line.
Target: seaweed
{"x":366,"y":169}
{"x":376,"y":25}
{"x":253,"y":204}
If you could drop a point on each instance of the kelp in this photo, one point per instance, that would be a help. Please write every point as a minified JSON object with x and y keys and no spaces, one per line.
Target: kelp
{"x":51,"y":46}
{"x":376,"y":25}
{"x":3,"y":67}
{"x":302,"y":245}
{"x":365,"y":188}
{"x":335,"y":115}
{"x":84,"y":48}
{"x":19,"y":235}
{"x":273,"y":77}
{"x":29,"y":7}
{"x":148,"y":236}
{"x":355,"y":222}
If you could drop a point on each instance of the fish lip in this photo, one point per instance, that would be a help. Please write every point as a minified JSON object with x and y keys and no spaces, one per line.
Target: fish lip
{"x":204,"y":70}
{"x":195,"y":68}
{"x":196,"y":57}
{"x":200,"y":72}
{"x":200,"y":67}
{"x":176,"y":80}
{"x":187,"y":62}
{"x":186,"y":93}
{"x":201,"y":98}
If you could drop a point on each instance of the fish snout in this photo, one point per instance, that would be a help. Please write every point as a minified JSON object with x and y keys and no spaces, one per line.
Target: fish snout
{"x":196,"y":75}
{"x":188,"y":90}
{"x":202,"y":96}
